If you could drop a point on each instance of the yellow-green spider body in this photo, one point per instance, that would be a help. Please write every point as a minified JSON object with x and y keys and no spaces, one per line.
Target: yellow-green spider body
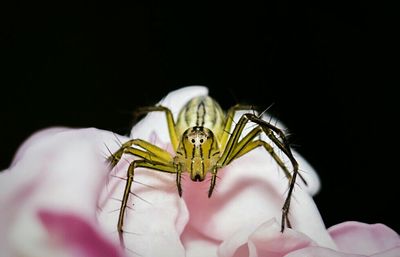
{"x":199,"y":148}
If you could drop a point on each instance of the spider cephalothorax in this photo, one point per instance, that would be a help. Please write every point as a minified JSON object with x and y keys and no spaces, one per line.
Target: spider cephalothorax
{"x":203,"y":141}
{"x":197,"y":152}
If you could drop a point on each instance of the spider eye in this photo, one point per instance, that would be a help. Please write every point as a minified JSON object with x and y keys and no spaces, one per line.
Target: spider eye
{"x":193,"y":141}
{"x":201,"y":141}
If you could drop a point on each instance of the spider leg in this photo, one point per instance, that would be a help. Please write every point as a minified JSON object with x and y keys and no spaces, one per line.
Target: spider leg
{"x":230,"y":115}
{"x":229,"y":144}
{"x":170,"y":122}
{"x":144,"y":163}
{"x":152,"y":153}
{"x":232,"y":140}
{"x":213,"y":181}
{"x":225,"y":140}
{"x":282,"y":144}
{"x":281,"y":141}
{"x":153,"y":157}
{"x":233,"y":145}
{"x":152,"y":150}
{"x":247,"y":144}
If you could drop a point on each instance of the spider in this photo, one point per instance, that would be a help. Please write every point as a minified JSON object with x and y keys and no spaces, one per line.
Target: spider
{"x":202,"y":143}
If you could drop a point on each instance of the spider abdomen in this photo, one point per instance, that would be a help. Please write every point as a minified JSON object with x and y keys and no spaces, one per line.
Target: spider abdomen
{"x":202,"y":111}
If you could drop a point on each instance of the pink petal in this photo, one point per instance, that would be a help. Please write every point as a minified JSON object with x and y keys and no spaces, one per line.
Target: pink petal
{"x":198,"y":245}
{"x":265,"y":240}
{"x":76,"y":235}
{"x":361,"y":238}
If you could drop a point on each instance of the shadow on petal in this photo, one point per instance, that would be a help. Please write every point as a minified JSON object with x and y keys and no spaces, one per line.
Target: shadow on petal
{"x":73,"y":234}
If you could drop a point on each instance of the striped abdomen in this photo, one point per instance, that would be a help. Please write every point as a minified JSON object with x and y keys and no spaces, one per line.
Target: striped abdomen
{"x":202,"y":111}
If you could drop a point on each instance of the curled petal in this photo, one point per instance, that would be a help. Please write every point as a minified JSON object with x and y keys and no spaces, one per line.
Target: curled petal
{"x":361,"y":238}
{"x":356,"y":239}
{"x":265,"y":240}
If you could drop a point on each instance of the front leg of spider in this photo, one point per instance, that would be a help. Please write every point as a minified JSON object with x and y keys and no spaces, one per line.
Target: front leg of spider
{"x":212,"y":183}
{"x":178,"y":179}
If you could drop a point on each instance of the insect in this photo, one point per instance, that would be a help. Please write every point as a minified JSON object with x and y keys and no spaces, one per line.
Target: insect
{"x":203,"y":143}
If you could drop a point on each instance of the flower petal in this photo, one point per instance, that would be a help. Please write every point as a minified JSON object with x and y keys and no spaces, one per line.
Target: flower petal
{"x":56,"y":169}
{"x":265,"y":240}
{"x":198,"y":245}
{"x":361,"y":238}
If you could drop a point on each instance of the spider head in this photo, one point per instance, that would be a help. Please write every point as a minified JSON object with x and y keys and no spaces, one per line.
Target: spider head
{"x":198,"y":137}
{"x":195,"y":152}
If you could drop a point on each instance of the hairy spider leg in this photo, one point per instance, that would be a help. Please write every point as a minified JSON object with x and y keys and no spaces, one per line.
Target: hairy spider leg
{"x":248,"y":143}
{"x":230,"y":115}
{"x":154,"y":158}
{"x":256,"y":119}
{"x":152,"y":151}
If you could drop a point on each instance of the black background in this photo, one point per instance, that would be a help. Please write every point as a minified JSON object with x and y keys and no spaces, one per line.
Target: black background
{"x":328,"y":67}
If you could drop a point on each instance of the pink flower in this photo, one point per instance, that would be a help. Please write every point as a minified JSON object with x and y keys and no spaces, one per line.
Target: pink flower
{"x":59,"y":198}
